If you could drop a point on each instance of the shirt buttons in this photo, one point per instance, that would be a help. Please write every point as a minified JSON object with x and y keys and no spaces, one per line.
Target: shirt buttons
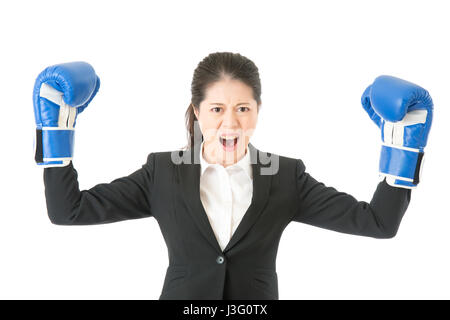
{"x":220,"y":260}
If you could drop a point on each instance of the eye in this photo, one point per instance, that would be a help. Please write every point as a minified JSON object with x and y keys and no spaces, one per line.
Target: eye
{"x":215,"y":108}
{"x":244,"y":107}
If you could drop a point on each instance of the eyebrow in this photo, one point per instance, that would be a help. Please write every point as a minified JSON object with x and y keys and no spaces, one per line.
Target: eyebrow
{"x":221,"y":104}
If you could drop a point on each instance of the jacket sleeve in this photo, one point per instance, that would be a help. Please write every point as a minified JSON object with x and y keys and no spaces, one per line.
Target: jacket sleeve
{"x":325,"y":207}
{"x":124,"y":198}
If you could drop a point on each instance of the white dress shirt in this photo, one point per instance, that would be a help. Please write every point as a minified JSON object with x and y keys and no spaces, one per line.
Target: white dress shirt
{"x":226,"y":194}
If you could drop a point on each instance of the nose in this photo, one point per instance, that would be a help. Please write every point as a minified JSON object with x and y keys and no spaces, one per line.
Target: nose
{"x":229,"y":119}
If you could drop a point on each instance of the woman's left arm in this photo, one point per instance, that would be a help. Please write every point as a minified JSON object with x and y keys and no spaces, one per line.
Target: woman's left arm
{"x":403,"y":111}
{"x":328,"y":208}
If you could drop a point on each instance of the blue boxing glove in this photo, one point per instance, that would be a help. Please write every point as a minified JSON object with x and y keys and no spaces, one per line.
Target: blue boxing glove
{"x":61,"y":92}
{"x":403,"y":111}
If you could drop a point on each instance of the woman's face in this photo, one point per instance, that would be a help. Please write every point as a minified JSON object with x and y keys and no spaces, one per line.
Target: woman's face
{"x":228,"y":111}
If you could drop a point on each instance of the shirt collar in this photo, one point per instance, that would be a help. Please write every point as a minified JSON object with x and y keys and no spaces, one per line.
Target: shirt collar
{"x":244,"y":163}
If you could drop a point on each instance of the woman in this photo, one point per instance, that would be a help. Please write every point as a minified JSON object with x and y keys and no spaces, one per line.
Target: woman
{"x":222,"y":204}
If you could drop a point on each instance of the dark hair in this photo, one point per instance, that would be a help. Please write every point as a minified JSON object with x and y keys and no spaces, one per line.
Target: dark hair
{"x":213,"y":68}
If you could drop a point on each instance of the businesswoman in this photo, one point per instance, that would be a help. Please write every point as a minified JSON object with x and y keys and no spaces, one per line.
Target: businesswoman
{"x":221,"y":203}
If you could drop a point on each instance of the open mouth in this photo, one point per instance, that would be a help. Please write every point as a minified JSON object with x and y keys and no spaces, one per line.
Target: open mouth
{"x":229,"y":143}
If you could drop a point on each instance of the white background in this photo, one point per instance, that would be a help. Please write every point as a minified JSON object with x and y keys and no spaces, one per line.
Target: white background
{"x":315,"y":59}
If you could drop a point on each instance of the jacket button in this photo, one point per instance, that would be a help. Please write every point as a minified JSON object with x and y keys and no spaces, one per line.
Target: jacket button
{"x":220,"y":260}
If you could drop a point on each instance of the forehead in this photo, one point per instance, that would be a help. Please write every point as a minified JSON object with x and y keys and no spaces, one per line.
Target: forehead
{"x":228,"y":91}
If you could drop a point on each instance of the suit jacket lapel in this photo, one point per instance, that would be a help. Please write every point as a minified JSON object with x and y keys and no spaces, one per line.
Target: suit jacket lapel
{"x":190,"y":188}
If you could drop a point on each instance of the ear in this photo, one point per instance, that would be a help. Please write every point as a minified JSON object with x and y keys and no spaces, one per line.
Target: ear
{"x":195,"y":112}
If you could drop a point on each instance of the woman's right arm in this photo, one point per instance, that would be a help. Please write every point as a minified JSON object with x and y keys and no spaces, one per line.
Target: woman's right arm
{"x":124,"y":198}
{"x":61,"y":93}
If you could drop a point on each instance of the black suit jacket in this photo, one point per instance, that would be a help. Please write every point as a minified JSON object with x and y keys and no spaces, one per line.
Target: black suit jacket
{"x":198,"y":268}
